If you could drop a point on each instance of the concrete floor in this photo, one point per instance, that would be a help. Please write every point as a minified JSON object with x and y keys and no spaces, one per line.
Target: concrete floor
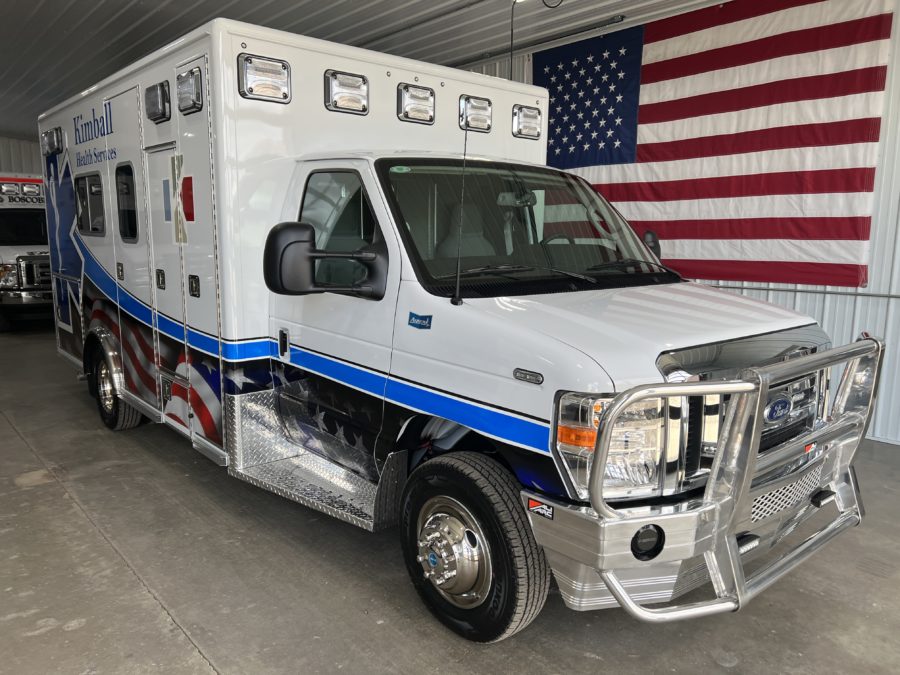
{"x":130,"y":552}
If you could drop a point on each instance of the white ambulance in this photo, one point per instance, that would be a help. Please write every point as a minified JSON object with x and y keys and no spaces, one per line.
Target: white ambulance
{"x":349,"y":278}
{"x":24,"y":261}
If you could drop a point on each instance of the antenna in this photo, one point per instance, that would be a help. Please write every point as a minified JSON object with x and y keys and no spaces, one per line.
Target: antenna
{"x":456,"y":299}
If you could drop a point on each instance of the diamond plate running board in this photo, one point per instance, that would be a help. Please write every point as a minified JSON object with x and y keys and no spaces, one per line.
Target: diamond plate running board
{"x":261,"y":454}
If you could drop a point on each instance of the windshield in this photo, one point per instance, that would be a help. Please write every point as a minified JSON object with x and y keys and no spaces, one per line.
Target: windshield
{"x":517,"y":230}
{"x":23,"y":227}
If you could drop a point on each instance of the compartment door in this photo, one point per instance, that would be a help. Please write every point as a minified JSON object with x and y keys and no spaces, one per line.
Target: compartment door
{"x":128,"y":227}
{"x":166,"y":235}
{"x":200,"y":255}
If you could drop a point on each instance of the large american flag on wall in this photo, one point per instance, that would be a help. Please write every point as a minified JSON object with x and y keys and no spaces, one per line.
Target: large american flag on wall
{"x":745,"y":135}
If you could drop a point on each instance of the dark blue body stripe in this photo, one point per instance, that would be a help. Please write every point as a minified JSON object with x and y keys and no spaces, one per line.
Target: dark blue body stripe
{"x":504,"y":426}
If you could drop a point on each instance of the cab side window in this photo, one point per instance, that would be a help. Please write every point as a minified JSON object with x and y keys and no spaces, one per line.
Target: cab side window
{"x":336,"y":205}
{"x":125,"y":203}
{"x":89,"y":202}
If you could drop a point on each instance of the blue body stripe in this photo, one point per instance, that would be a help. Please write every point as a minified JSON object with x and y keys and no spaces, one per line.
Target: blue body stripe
{"x":489,"y":421}
{"x":515,"y":430}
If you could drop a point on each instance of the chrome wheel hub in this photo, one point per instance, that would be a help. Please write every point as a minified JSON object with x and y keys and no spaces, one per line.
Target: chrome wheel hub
{"x":453,"y":552}
{"x":105,"y":387}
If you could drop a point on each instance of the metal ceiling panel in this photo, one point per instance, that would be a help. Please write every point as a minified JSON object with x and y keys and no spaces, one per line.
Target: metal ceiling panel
{"x":61,"y":47}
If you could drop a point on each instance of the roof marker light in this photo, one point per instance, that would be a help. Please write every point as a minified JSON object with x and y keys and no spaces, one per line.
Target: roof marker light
{"x":415,"y":103}
{"x":190,"y":91}
{"x":526,"y":122}
{"x":264,"y":79}
{"x":474,"y":113}
{"x":156,"y":102}
{"x":51,"y":141}
{"x":346,"y":92}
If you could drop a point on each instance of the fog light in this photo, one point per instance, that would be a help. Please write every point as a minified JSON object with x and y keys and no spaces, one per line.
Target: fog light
{"x":648,"y":542}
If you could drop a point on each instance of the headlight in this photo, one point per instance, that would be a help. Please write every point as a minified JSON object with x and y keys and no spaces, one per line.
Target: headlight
{"x":9,"y":276}
{"x":633,"y":465}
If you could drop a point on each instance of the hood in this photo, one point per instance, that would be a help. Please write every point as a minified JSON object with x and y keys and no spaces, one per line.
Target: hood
{"x":625,"y":329}
{"x":8,"y":253}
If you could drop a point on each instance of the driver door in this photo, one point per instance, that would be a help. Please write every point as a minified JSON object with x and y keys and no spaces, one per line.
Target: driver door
{"x":335,"y":349}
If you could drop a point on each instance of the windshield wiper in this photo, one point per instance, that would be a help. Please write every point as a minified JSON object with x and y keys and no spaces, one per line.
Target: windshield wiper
{"x":629,"y":262}
{"x":505,"y":269}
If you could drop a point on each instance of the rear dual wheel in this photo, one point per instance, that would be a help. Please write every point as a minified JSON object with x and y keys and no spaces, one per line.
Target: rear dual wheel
{"x":469,"y":548}
{"x":115,"y":413}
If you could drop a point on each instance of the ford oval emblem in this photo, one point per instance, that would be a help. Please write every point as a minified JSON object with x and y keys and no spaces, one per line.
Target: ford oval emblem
{"x":778,"y":409}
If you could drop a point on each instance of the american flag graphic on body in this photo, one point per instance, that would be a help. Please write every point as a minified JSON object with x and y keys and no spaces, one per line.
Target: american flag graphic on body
{"x":744,"y":134}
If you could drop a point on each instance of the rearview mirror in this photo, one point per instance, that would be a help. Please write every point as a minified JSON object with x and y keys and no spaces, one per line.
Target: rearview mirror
{"x":651,"y":241}
{"x":289,"y":264}
{"x":517,"y":199}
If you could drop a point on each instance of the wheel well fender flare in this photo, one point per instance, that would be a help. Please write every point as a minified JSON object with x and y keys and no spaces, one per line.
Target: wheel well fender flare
{"x":100,"y":337}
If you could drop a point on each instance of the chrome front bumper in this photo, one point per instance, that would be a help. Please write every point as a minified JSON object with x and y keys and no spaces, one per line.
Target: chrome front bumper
{"x":751,"y":503}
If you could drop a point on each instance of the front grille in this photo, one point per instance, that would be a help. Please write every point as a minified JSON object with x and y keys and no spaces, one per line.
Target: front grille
{"x":705,"y":417}
{"x":34,"y":272}
{"x":785,"y":497}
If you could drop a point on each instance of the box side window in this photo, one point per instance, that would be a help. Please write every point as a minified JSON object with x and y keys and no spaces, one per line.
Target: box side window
{"x":89,"y":198}
{"x":125,"y":203}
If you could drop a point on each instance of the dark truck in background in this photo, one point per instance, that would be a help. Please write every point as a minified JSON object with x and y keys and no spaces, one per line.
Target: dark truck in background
{"x":25,"y":285}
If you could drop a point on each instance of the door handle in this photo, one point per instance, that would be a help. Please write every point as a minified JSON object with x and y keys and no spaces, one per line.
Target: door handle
{"x":161,"y":279}
{"x":194,"y":285}
{"x":120,"y":271}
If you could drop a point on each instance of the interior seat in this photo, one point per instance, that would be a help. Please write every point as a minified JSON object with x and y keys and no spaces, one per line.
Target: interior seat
{"x":472,"y":241}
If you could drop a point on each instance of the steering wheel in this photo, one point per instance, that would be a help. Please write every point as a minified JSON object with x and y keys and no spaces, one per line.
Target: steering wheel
{"x":558,"y":235}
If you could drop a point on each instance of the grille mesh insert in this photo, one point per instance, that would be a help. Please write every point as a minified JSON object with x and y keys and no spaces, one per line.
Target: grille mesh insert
{"x":785,"y":497}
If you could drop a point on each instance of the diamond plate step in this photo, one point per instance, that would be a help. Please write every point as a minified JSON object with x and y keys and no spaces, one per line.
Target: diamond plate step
{"x":261,"y":454}
{"x":317,"y":483}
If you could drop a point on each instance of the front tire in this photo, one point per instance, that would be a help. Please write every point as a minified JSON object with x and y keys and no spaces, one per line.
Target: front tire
{"x":115,"y":413}
{"x":469,"y":548}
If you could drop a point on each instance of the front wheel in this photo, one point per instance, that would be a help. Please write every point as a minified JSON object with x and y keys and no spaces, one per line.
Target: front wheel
{"x":469,"y":548}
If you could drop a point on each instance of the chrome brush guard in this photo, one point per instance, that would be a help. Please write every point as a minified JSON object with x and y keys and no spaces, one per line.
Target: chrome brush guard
{"x":744,"y":493}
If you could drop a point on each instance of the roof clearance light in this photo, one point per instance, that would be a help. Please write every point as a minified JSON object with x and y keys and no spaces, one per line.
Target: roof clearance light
{"x":190,"y":91}
{"x":264,"y":79}
{"x":51,"y":141}
{"x":474,"y":113}
{"x":415,"y":104}
{"x":526,"y":122}
{"x":346,"y":92}
{"x":9,"y":188}
{"x":31,"y":189}
{"x":156,"y":102}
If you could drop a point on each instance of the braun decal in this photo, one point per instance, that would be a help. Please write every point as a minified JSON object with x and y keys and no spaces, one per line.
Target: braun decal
{"x":419,"y":321}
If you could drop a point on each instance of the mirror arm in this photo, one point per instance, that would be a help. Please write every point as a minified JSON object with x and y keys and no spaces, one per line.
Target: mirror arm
{"x":366,"y":256}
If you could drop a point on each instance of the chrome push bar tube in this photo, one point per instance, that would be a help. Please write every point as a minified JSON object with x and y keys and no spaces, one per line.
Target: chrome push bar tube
{"x":736,"y":464}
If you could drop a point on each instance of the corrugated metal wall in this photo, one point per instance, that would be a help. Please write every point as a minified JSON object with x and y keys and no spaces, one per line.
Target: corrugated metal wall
{"x":19,"y":156}
{"x":842,"y":312}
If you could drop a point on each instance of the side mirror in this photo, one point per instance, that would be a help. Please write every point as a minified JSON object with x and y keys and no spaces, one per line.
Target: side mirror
{"x":289,"y":264}
{"x":651,"y":241}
